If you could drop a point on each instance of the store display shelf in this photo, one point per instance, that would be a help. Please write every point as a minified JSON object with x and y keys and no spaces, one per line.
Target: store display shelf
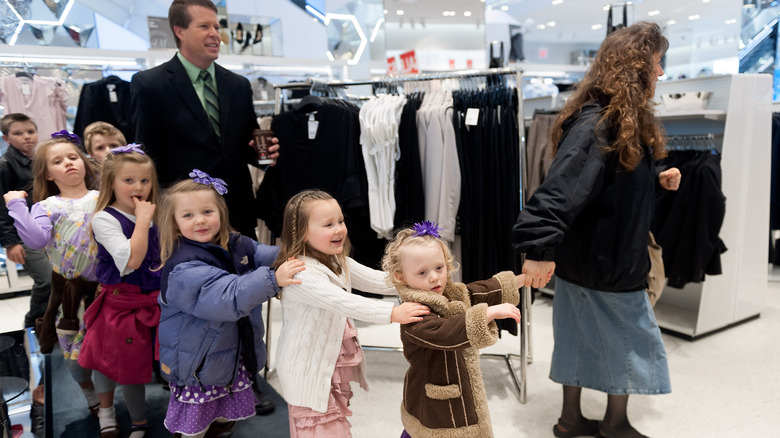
{"x":713,"y":114}
{"x":676,"y":319}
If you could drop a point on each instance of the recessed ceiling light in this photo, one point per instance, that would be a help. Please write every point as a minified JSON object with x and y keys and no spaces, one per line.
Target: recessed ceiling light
{"x":694,"y":17}
{"x":550,"y":24}
{"x":399,"y":12}
{"x":596,"y":27}
{"x":505,"y":8}
{"x":556,"y":2}
{"x":654,"y":12}
{"x":384,"y":11}
{"x":540,"y":26}
{"x":606,"y":7}
{"x":731,"y":21}
{"x":705,"y":1}
{"x":671,"y":22}
{"x":467,"y":13}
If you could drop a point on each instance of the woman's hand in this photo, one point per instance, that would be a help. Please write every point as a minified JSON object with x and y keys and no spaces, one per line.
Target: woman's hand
{"x":409,"y":312}
{"x":670,"y":178}
{"x":285,"y":273}
{"x":538,"y":274}
{"x":501,"y":311}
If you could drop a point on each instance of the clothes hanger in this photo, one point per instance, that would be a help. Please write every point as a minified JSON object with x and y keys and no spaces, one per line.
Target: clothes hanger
{"x":308,"y":104}
{"x":24,"y":74}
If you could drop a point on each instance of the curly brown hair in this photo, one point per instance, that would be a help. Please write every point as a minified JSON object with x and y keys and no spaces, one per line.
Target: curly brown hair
{"x":622,"y":79}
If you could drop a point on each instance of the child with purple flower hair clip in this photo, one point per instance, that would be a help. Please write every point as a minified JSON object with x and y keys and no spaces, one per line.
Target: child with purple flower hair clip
{"x":443,"y":349}
{"x":213,"y":285}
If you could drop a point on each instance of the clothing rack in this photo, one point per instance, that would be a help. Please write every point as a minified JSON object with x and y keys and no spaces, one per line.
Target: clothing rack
{"x":694,"y":142}
{"x":525,"y":353}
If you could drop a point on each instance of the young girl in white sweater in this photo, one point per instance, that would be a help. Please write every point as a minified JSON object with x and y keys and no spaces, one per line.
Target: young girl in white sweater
{"x":318,"y":353}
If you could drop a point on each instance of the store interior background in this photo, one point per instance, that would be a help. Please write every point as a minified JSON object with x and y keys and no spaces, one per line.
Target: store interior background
{"x":83,"y":40}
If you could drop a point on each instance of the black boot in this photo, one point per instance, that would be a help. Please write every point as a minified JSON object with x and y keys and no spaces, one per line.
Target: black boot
{"x":264,"y":405}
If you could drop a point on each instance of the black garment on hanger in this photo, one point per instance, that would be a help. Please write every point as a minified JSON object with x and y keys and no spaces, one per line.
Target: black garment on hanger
{"x":96,"y":105}
{"x":610,"y":27}
{"x":332,"y":161}
{"x":686,"y":223}
{"x":409,"y":196}
{"x":489,"y":158}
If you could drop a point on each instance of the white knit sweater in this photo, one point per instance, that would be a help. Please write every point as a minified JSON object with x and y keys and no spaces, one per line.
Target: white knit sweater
{"x":314,"y":316}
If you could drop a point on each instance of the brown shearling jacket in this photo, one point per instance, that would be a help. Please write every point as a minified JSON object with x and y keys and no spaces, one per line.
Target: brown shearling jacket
{"x":444,"y":396}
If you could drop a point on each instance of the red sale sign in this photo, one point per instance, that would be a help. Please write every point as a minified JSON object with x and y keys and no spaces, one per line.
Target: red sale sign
{"x":409,"y":63}
{"x":392,"y":67}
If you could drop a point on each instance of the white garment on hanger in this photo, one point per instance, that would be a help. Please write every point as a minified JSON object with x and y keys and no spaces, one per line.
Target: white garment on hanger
{"x":439,"y":158}
{"x":379,"y":121}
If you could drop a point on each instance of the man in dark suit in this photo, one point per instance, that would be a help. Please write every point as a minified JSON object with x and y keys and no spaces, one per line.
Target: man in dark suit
{"x":187,"y":121}
{"x":190,"y":113}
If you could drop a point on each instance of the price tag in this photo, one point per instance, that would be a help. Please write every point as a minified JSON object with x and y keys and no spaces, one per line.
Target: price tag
{"x":472,"y":116}
{"x":313,"y":126}
{"x":26,"y":86}
{"x":112,"y":93}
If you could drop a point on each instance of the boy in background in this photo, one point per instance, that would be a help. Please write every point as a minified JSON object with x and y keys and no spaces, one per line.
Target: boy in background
{"x":100,"y":138}
{"x":21,"y":134}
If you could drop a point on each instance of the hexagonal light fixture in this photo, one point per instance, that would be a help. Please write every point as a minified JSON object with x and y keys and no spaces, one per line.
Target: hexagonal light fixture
{"x":22,"y":21}
{"x":363,"y":40}
{"x":345,"y":17}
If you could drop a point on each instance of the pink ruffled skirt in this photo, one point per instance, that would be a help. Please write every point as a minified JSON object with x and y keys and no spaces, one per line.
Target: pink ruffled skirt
{"x":306,"y":423}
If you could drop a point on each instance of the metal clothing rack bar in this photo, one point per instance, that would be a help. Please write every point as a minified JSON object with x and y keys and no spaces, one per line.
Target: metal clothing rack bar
{"x":525,"y":354}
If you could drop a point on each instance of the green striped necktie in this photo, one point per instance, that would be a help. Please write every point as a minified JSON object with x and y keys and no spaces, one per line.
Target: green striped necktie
{"x":212,"y":102}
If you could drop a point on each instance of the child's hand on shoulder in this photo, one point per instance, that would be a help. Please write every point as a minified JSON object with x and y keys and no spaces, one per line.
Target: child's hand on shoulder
{"x":13,"y":194}
{"x":143,"y":209}
{"x":501,"y":311}
{"x":409,"y":312}
{"x":285,"y":273}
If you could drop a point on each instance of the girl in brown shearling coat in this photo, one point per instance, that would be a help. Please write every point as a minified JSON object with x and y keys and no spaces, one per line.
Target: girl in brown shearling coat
{"x":444,"y":395}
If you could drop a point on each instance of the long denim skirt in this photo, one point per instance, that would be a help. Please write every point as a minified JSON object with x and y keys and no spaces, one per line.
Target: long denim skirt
{"x":607,"y":341}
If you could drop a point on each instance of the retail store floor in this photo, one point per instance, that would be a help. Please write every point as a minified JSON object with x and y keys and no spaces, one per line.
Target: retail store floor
{"x":723,"y":385}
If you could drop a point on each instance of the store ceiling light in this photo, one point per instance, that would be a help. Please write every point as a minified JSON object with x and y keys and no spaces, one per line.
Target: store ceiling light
{"x":653,"y":13}
{"x":556,"y":2}
{"x":363,"y":40}
{"x":505,"y":8}
{"x":377,"y":26}
{"x":467,"y":13}
{"x":731,"y":21}
{"x":399,"y":12}
{"x":550,"y":24}
{"x":694,"y":17}
{"x":671,"y":22}
{"x":596,"y":27}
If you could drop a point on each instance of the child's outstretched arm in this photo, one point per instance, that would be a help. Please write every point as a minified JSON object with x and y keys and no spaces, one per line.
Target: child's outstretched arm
{"x":471,"y":328}
{"x":214,"y":294}
{"x":501,"y":311}
{"x":34,"y":227}
{"x":139,"y":241}
{"x":316,"y":289}
{"x":285,"y":273}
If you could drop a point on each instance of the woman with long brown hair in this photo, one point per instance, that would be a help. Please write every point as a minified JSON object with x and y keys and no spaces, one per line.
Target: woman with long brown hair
{"x":588,"y":223}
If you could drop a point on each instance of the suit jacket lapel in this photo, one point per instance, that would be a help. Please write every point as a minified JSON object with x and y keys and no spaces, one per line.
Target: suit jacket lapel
{"x":182,"y":84}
